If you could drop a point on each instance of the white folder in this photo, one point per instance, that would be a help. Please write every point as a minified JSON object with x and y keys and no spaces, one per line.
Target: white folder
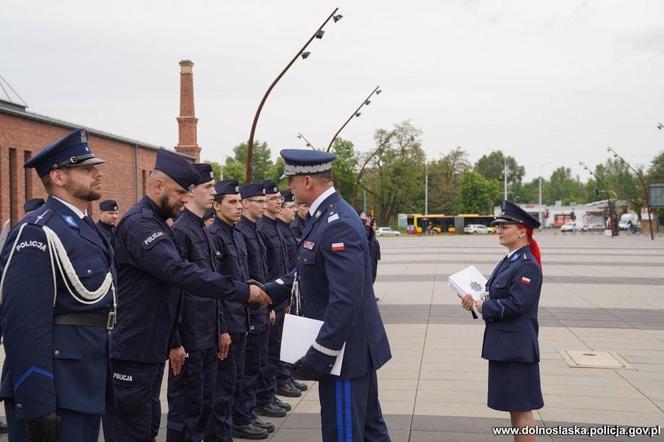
{"x":299,"y":335}
{"x":468,"y":280}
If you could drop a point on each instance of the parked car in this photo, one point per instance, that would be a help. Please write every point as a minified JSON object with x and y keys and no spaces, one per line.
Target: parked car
{"x":593,"y":227}
{"x":387,"y":231}
{"x":569,"y":227}
{"x":476,"y":229}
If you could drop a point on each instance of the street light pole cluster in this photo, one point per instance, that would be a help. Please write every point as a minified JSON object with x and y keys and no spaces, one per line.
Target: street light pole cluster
{"x":356,"y":114}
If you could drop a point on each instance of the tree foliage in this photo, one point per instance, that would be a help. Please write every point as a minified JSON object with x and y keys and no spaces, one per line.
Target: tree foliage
{"x":444,"y":176}
{"x":492,"y":167}
{"x":476,"y":194}
{"x":345,"y":167}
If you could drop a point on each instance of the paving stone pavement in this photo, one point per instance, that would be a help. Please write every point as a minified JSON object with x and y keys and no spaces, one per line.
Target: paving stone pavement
{"x":599,"y":294}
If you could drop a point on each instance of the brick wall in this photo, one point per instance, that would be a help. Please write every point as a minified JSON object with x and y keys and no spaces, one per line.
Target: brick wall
{"x":123,"y":172}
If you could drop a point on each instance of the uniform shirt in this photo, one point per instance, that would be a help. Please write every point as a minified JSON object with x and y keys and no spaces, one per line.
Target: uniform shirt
{"x":51,"y":365}
{"x":199,"y":321}
{"x":334,"y":275}
{"x":232,"y":262}
{"x":291,"y":243}
{"x":276,"y":252}
{"x":151,"y":275}
{"x":510,"y":311}
{"x":106,"y":230}
{"x":256,"y":257}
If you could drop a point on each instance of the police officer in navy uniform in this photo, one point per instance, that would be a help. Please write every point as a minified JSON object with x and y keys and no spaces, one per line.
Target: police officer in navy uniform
{"x":208,"y":217}
{"x":58,"y":303}
{"x":151,"y":275}
{"x":245,"y":419}
{"x":199,"y":338}
{"x":334,"y":279}
{"x":108,"y":219}
{"x":232,"y":262}
{"x":510,"y":311}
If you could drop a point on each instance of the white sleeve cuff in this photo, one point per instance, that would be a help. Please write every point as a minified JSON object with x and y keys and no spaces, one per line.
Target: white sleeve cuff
{"x":325,"y":350}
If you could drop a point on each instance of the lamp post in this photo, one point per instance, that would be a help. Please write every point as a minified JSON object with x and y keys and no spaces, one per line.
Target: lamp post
{"x":639,"y":174}
{"x":612,"y":214}
{"x":301,"y":53}
{"x":539,"y":211}
{"x":308,"y":144}
{"x":356,"y":114}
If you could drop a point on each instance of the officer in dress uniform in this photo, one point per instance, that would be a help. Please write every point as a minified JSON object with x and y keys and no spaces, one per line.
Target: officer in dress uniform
{"x":285,"y":381}
{"x":334,"y":279}
{"x":510,"y":337}
{"x":199,"y":338}
{"x":108,"y":219}
{"x":267,"y":404}
{"x":151,"y":275}
{"x":245,"y":420}
{"x":232,"y":262}
{"x":208,"y":217}
{"x":58,"y":303}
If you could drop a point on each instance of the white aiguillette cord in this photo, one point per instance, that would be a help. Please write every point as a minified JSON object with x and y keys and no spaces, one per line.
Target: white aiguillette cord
{"x":58,"y":255}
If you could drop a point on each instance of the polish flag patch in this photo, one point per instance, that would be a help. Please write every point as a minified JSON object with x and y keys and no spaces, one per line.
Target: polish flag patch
{"x":338,"y":247}
{"x":525,"y":281}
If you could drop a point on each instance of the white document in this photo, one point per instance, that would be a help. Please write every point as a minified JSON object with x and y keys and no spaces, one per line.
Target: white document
{"x":299,"y":335}
{"x":468,"y":280}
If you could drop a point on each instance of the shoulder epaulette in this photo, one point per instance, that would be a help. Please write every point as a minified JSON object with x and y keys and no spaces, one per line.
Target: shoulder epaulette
{"x":39,"y":218}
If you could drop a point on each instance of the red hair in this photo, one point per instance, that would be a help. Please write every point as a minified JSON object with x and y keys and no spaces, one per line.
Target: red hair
{"x":534,"y":247}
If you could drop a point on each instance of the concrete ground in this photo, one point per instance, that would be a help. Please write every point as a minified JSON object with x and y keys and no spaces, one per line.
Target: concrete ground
{"x":600,"y":294}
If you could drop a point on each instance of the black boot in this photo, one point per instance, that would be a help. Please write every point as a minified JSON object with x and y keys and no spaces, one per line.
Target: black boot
{"x":289,"y":390}
{"x":281,"y":404}
{"x":299,"y":385}
{"x":260,"y":423}
{"x":249,"y":431}
{"x":270,"y":410}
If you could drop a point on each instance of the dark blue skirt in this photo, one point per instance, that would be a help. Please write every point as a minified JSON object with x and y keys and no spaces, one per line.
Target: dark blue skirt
{"x":514,"y":386}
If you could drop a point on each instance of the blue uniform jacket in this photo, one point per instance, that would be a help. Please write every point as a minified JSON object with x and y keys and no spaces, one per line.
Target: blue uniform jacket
{"x":334,"y":273}
{"x":276,"y":251}
{"x":151,"y":275}
{"x":106,"y":230}
{"x":232,"y":262}
{"x":47,"y":365}
{"x":510,"y":311}
{"x":291,"y":243}
{"x":256,"y":257}
{"x":198,"y":326}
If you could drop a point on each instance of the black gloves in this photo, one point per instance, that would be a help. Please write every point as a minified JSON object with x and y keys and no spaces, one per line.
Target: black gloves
{"x":43,"y":429}
{"x":302,"y":371}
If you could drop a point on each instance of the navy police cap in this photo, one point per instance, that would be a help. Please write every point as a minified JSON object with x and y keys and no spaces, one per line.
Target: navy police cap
{"x":33,"y":204}
{"x":270,"y":187}
{"x":205,"y":172}
{"x":251,"y":190}
{"x":108,"y":206}
{"x":178,"y":168}
{"x":306,"y":162}
{"x":511,"y":213}
{"x":71,"y":151}
{"x":227,"y":187}
{"x":287,"y":195}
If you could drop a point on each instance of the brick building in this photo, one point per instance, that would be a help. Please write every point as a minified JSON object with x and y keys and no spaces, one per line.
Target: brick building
{"x":128,"y":162}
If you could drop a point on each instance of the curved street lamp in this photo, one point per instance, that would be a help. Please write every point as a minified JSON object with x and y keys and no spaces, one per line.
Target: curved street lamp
{"x":612,"y":211}
{"x":356,"y":113}
{"x":308,"y":143}
{"x":639,"y":174}
{"x":301,"y":53}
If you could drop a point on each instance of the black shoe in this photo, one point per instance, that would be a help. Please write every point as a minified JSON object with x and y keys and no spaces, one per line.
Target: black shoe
{"x":249,"y":431}
{"x":289,"y":390}
{"x":260,"y":423}
{"x":281,"y":404}
{"x":299,"y":385}
{"x":270,"y":410}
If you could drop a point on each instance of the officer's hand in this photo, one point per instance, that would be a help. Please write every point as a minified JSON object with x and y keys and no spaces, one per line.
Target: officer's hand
{"x":176,"y":358}
{"x":478,"y":305}
{"x":43,"y":429}
{"x":224,"y":345}
{"x":258,"y":296}
{"x":273,"y":318}
{"x":303,"y":372}
{"x":467,"y":301}
{"x":287,"y":310}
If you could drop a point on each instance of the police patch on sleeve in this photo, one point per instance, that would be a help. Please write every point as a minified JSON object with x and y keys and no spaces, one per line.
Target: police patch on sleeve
{"x":152,"y":239}
{"x":31,"y":244}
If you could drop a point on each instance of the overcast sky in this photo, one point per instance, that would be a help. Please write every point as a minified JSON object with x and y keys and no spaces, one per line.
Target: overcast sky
{"x":550,"y":83}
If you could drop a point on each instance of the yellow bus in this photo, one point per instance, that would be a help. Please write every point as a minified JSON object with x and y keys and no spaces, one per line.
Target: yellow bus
{"x":435,"y":223}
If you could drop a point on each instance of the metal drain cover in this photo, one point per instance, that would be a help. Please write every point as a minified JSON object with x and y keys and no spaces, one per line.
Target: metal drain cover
{"x":594,"y":359}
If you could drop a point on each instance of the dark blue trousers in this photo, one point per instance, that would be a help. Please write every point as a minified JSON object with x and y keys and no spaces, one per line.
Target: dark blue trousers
{"x":255,"y":359}
{"x":134,"y":412}
{"x":74,"y":426}
{"x":350,"y":410}
{"x":191,"y":396}
{"x":230,"y":372}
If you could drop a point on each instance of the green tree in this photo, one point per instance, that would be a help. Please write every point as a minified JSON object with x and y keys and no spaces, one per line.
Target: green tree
{"x":262,"y":161}
{"x":345,"y":167}
{"x":562,"y":186}
{"x":620,"y":179}
{"x":656,"y":169}
{"x":399,"y":172}
{"x":492,"y":167}
{"x":526,"y":192}
{"x":444,"y":175}
{"x":216,"y":169}
{"x":476,"y":194}
{"x":234,"y":170}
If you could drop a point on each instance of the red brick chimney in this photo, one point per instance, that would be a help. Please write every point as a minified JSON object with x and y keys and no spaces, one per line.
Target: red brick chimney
{"x":187,"y":142}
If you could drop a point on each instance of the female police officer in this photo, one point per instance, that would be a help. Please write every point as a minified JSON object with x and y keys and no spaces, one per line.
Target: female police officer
{"x":510,"y":312}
